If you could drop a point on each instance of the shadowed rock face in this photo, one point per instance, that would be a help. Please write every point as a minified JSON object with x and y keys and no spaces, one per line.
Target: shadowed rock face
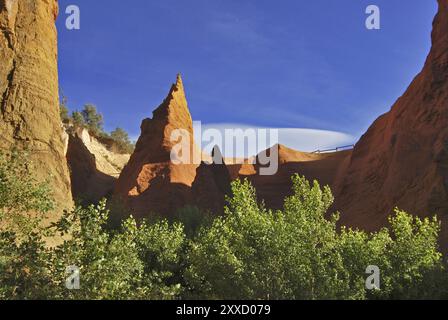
{"x":89,"y":185}
{"x":94,"y":169}
{"x":29,"y":102}
{"x":212,"y":184}
{"x":151,"y":182}
{"x":402,"y":160}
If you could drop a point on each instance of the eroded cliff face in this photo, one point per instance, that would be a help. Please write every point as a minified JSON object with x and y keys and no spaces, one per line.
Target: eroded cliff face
{"x":94,"y":169}
{"x":29,"y":102}
{"x":151,"y":182}
{"x":402,"y":160}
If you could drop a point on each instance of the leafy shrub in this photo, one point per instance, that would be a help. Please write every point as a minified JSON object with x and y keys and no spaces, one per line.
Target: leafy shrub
{"x":249,"y":253}
{"x":24,"y":204}
{"x":21,"y":195}
{"x":193,"y":219}
{"x":137,"y":262}
{"x":64,"y":113}
{"x":255,"y":253}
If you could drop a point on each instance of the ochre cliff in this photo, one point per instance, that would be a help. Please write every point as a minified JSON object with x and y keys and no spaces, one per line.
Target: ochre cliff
{"x":94,"y":168}
{"x":29,"y":102}
{"x":402,"y":160}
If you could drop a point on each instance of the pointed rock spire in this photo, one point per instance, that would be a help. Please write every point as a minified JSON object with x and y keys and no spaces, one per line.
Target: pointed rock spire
{"x":179,"y":83}
{"x":217,"y":156}
{"x":212,"y":183}
{"x":176,"y":106}
{"x":151,"y":181}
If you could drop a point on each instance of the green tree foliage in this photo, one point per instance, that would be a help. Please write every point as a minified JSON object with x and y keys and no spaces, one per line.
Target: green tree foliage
{"x":89,"y":118}
{"x":21,"y":195}
{"x":193,"y":218}
{"x":93,"y":120}
{"x":78,"y":119}
{"x":249,"y":253}
{"x":24,"y":204}
{"x":255,"y":253}
{"x":134,"y":263}
{"x":122,"y":141}
{"x":64,"y":113}
{"x":63,"y":109}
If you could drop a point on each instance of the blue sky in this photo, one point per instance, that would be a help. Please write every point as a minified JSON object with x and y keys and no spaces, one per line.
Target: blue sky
{"x":264,"y":63}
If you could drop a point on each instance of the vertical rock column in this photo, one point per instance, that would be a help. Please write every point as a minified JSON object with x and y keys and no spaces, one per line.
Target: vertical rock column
{"x":29,"y":102}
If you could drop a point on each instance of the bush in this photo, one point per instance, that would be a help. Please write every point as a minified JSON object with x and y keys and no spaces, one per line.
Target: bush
{"x":137,"y":262}
{"x":193,"y":219}
{"x":21,"y":195}
{"x":249,"y":253}
{"x":24,"y":204}
{"x":117,"y":141}
{"x":255,"y":253}
{"x":63,"y":109}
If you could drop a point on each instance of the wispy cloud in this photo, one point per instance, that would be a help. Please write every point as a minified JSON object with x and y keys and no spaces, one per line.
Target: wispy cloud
{"x":242,"y":30}
{"x":307,"y":140}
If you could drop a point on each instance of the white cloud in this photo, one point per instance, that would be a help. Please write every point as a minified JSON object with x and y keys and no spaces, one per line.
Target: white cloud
{"x":307,"y":140}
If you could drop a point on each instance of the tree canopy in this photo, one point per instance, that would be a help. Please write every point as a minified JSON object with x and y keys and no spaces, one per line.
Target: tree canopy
{"x":250,"y":252}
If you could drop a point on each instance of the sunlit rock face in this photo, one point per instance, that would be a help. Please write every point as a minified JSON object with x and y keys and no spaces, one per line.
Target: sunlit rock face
{"x":29,"y":102}
{"x":151,"y":182}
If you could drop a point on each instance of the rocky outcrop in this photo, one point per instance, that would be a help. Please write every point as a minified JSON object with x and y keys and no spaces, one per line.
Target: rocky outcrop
{"x":402,"y":160}
{"x":29,"y":102}
{"x":326,"y":168}
{"x":94,"y":169}
{"x":151,"y":182}
{"x":107,"y":158}
{"x":212,"y":184}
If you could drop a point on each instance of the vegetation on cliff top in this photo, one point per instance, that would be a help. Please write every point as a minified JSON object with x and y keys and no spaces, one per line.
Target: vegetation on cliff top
{"x":89,"y":118}
{"x":248,"y":253}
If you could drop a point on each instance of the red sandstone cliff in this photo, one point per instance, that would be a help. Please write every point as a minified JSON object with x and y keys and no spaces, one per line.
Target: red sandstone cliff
{"x":402,"y":160}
